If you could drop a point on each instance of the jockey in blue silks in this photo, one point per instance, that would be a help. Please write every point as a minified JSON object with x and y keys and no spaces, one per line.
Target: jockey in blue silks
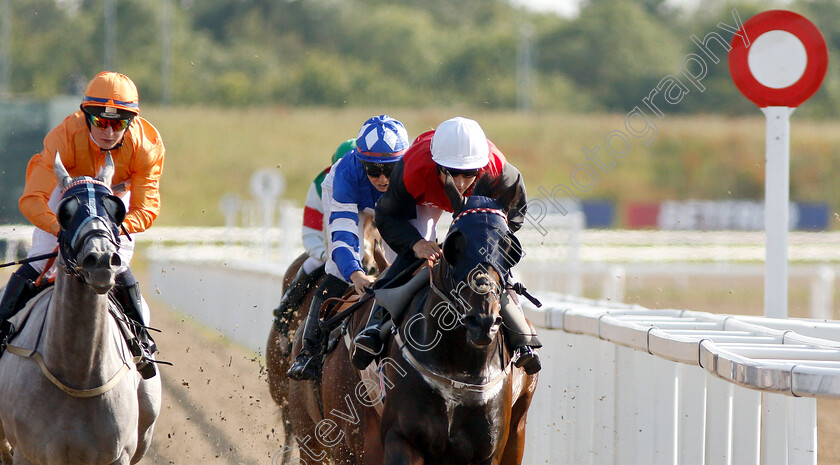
{"x":350,"y":191}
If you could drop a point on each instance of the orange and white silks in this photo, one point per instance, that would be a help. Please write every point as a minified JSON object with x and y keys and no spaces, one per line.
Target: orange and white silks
{"x":138,"y":165}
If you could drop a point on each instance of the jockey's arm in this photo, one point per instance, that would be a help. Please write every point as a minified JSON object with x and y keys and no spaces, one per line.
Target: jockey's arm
{"x":146,"y":167}
{"x":312,"y":230}
{"x":343,"y":228}
{"x":512,"y":179}
{"x":41,"y":181}
{"x":394,"y":213}
{"x":360,"y":281}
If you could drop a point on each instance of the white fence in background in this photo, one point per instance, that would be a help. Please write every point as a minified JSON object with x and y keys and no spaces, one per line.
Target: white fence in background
{"x":620,"y":385}
{"x":628,"y":385}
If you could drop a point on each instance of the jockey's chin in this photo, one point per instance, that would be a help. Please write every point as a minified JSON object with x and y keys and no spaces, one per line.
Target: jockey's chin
{"x":381,"y":184}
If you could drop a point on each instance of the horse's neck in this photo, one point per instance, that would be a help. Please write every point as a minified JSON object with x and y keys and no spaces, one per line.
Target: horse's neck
{"x":77,"y":343}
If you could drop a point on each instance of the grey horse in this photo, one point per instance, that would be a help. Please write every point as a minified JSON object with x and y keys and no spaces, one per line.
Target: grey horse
{"x":69,"y":391}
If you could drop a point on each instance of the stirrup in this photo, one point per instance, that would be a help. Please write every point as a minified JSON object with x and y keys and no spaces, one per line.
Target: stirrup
{"x":527,"y":358}
{"x":304,"y":368}
{"x":146,"y":364}
{"x":146,"y":368}
{"x":7,"y":330}
{"x":366,"y":347}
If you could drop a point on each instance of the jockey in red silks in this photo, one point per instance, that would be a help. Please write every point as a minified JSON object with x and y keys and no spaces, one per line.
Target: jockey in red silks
{"x":108,"y":121}
{"x":407,"y":216}
{"x":314,"y":241}
{"x":350,"y":190}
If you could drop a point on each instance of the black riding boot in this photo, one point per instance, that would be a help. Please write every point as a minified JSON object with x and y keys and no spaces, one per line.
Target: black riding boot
{"x":293,"y":296}
{"x":368,"y":343}
{"x":132,"y":304}
{"x":308,"y":362}
{"x":522,"y":340}
{"x":20,"y":288}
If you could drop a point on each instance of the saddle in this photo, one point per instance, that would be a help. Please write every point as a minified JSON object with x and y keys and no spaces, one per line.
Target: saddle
{"x":393,"y":299}
{"x":19,"y":319}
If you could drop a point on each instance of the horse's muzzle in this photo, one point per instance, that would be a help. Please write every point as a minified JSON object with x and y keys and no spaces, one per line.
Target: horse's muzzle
{"x":482,"y":329}
{"x":100,"y":268}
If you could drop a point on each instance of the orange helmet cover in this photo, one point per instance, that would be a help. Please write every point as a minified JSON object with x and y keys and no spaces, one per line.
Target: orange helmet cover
{"x":110,"y":89}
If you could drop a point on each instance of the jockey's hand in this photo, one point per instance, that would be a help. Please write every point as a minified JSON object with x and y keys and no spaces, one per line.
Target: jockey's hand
{"x":429,"y":250}
{"x":361,"y":281}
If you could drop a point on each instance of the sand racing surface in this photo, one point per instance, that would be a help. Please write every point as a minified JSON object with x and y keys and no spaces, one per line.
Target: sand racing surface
{"x":216,"y":407}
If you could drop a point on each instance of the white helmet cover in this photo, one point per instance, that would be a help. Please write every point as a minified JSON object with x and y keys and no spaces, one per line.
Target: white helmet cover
{"x":459,"y":143}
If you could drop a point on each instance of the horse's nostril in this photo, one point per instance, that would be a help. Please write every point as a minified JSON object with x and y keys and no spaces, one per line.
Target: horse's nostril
{"x":498,"y":321}
{"x":89,"y":262}
{"x":472,"y":320}
{"x":116,"y":261}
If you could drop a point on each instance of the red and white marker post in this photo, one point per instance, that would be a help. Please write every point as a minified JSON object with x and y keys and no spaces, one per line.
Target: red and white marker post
{"x":781,"y":64}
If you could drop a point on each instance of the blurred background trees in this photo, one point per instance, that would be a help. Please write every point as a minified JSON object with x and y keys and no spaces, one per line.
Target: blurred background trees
{"x":418,"y":53}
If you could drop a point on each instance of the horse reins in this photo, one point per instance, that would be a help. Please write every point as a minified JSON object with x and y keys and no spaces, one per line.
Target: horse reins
{"x":439,"y":378}
{"x":81,"y":393}
{"x":331,"y":323}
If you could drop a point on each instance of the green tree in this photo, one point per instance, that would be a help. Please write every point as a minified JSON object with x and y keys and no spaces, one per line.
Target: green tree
{"x":615,"y":49}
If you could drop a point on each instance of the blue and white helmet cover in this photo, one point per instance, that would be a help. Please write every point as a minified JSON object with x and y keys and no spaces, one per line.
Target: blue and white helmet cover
{"x":382,"y":134}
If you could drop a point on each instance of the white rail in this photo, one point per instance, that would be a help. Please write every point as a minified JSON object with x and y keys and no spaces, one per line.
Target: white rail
{"x":621,"y":384}
{"x":624,"y":384}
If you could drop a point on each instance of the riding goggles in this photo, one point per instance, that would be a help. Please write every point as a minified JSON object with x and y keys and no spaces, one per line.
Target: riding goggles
{"x":103,"y":123}
{"x":375,"y":170}
{"x":466,"y":173}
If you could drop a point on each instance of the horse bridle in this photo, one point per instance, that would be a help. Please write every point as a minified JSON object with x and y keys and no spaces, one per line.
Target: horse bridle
{"x":459,"y":303}
{"x":68,"y":246}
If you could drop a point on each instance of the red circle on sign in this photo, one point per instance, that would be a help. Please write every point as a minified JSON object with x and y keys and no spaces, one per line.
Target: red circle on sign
{"x":815,"y":68}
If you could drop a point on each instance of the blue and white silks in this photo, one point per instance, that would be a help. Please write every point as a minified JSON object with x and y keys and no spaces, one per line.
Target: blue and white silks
{"x":348,"y":196}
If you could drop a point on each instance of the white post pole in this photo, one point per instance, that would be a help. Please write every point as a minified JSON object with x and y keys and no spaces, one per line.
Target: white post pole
{"x":822,"y":294}
{"x":776,"y":204}
{"x":575,"y":282}
{"x":802,"y":430}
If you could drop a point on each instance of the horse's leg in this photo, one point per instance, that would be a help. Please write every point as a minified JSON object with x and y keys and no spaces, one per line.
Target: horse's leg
{"x":304,"y":414}
{"x":276,"y":353}
{"x":397,"y":451}
{"x":373,"y":442}
{"x":5,"y":448}
{"x":149,"y":398}
{"x":276,"y":366}
{"x":515,"y":446}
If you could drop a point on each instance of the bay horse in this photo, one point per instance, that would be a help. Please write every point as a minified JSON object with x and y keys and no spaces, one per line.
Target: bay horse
{"x":451,"y":393}
{"x":70,"y":393}
{"x":279,"y":355}
{"x":456,"y":398}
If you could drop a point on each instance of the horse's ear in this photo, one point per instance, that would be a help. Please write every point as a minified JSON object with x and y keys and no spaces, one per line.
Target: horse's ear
{"x":67,"y":210}
{"x":115,"y":208}
{"x":60,"y":171}
{"x":453,"y":246}
{"x":106,"y":174}
{"x":512,"y":249}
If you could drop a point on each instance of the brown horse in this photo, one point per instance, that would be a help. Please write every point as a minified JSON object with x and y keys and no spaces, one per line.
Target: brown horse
{"x":451,"y":392}
{"x":278,"y":350}
{"x":337,"y":418}
{"x":279,"y":355}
